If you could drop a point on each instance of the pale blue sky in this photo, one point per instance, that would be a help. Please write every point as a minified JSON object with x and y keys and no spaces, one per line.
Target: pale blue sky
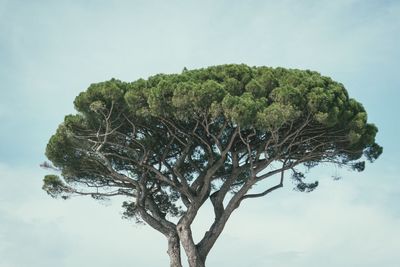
{"x":52,"y":50}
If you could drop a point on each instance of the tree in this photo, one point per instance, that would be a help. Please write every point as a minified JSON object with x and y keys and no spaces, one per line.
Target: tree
{"x":172,"y":142}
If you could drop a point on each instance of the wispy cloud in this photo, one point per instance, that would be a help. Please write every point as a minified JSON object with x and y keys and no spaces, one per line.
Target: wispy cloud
{"x":329,"y":227}
{"x":36,"y":230}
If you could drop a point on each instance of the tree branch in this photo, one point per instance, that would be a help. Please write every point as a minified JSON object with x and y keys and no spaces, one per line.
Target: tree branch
{"x":269,"y":190}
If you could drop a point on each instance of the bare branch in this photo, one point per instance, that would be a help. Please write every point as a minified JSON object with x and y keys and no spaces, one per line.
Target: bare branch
{"x":269,"y":190}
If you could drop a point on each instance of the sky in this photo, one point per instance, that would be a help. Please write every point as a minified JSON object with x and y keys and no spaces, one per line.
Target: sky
{"x":50,"y":51}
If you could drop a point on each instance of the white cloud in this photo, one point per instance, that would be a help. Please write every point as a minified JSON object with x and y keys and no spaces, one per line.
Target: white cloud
{"x":327,"y":227}
{"x":38,"y":231}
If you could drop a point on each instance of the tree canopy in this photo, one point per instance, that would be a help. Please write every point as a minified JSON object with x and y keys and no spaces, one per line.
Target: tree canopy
{"x":173,"y":141}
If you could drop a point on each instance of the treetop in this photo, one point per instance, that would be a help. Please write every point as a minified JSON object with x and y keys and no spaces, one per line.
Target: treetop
{"x":203,"y":115}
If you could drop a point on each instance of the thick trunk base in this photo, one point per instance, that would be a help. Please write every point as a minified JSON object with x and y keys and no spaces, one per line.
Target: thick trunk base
{"x":174,"y":251}
{"x":196,"y":263}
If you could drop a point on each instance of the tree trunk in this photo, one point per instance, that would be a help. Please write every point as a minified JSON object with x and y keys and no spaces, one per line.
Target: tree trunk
{"x":194,"y":259}
{"x":174,"y":251}
{"x":192,"y":253}
{"x":196,"y":263}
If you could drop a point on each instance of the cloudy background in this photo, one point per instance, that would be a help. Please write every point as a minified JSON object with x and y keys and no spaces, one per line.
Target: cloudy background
{"x":52,"y":50}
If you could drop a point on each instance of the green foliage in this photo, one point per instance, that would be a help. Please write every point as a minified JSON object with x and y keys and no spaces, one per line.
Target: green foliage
{"x":125,"y":127}
{"x":54,"y":186}
{"x":242,"y":110}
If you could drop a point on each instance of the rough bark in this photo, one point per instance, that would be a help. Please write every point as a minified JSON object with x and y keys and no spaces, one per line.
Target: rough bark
{"x":192,"y":253}
{"x":174,"y":250}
